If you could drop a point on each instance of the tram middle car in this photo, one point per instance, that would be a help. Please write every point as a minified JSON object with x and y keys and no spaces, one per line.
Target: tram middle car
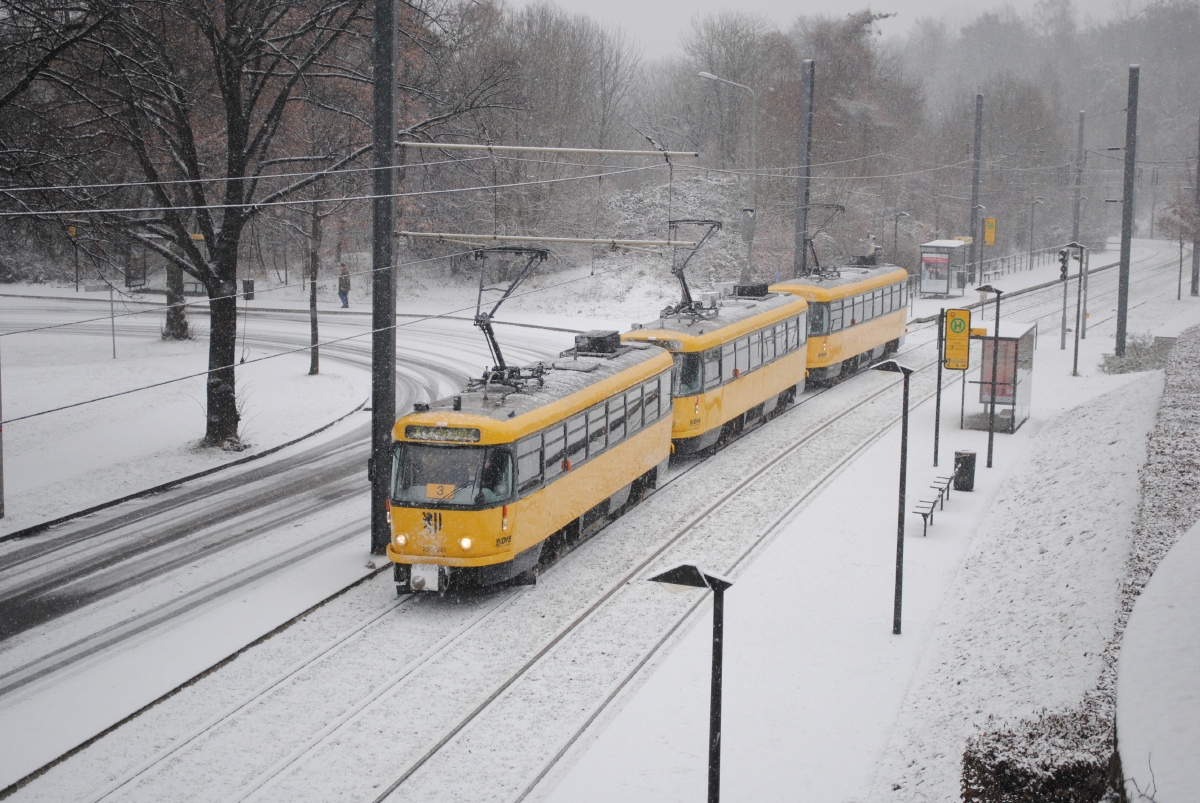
{"x":856,"y":315}
{"x":487,"y":483}
{"x":737,"y":359}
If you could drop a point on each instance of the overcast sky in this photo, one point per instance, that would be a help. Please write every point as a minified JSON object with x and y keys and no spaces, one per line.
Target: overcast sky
{"x":657,"y":24}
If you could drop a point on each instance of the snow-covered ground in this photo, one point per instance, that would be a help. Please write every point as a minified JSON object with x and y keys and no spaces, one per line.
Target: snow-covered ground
{"x":68,"y":460}
{"x":1008,"y":605}
{"x":822,"y":601}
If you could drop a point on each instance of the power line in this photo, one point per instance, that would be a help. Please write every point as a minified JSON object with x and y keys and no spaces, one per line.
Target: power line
{"x":297,"y":350}
{"x":309,"y":201}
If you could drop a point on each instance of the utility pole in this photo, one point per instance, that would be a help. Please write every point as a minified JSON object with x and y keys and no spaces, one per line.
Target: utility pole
{"x":1,"y":460}
{"x":975,"y":186}
{"x":807,"y":82}
{"x":896,"y":236}
{"x":1032,"y":206}
{"x":1196,"y":239}
{"x":1127,"y":208}
{"x":1153,"y":197}
{"x":1079,"y":157}
{"x":383,"y":284}
{"x":314,"y":264}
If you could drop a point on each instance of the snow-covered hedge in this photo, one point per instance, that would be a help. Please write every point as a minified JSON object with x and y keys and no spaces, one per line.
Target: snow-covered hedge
{"x":1070,"y":755}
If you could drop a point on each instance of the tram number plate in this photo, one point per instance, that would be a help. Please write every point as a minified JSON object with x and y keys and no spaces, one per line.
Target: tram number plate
{"x":436,"y":490}
{"x":425,"y":576}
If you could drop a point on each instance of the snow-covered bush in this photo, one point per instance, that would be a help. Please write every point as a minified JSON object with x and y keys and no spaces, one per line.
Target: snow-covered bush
{"x":1142,"y":353}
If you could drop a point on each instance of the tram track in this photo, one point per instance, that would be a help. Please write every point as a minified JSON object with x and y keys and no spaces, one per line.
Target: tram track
{"x":732,"y":567}
{"x":492,"y":611}
{"x":728,"y":499}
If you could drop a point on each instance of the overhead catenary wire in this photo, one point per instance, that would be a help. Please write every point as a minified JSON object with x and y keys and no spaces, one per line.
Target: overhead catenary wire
{"x":297,"y":350}
{"x":309,"y":201}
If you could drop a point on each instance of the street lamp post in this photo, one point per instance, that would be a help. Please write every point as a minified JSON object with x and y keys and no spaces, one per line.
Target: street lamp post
{"x":1032,"y":205}
{"x":891,"y":366}
{"x":987,"y":288}
{"x":896,"y":235}
{"x":978,"y":268}
{"x":753,"y":161}
{"x":689,"y":575}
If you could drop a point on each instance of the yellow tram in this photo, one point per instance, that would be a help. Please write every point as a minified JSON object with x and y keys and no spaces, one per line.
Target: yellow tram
{"x":856,"y":315}
{"x":524,"y":462}
{"x":738,"y":359}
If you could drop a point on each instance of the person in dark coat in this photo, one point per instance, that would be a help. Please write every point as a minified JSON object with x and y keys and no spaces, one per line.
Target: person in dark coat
{"x":344,"y":286}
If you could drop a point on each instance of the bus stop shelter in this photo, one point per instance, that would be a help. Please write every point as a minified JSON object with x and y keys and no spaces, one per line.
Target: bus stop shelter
{"x":943,"y":267}
{"x":1014,"y":379}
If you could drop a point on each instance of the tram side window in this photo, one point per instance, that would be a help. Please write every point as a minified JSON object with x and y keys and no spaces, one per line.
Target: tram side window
{"x":727,"y":365}
{"x":836,"y":316}
{"x":664,"y":394}
{"x":712,"y":368}
{"x":597,"y":429}
{"x":768,"y":344}
{"x":616,"y":420}
{"x":755,"y":341}
{"x":650,"y":402}
{"x":633,"y":409}
{"x":876,"y":303}
{"x":803,"y":327}
{"x":780,"y":336}
{"x":555,"y":449}
{"x":793,"y":334}
{"x":687,"y":373}
{"x":529,"y":464}
{"x":904,"y":294}
{"x":742,"y":356}
{"x":576,"y":439}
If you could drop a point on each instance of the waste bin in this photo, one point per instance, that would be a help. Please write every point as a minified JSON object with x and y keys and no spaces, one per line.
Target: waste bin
{"x":248,"y":289}
{"x":964,"y":471}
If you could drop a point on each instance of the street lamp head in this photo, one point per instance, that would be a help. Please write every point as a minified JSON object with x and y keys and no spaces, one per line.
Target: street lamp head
{"x":892,"y":367}
{"x":979,"y":206}
{"x":902,"y":214}
{"x":707,"y":76}
{"x":987,"y":288}
{"x":690,"y":575}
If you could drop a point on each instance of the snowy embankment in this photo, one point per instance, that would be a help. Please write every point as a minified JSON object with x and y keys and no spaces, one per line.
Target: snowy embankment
{"x":69,"y":460}
{"x":1029,"y":614}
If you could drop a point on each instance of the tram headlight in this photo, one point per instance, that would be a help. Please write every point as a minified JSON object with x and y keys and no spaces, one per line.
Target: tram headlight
{"x":401,"y":539}
{"x":465,"y":543}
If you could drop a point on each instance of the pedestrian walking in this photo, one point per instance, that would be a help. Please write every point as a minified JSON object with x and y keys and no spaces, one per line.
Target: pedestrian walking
{"x":344,"y":286}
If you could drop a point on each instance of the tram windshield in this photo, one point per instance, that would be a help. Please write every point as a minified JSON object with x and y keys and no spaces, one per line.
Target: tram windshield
{"x":687,"y":374}
{"x":424,"y":474}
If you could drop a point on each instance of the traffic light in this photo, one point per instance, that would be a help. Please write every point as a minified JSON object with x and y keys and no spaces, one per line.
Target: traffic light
{"x":1064,"y":261}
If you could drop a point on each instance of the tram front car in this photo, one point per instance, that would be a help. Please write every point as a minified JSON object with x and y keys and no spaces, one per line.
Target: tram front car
{"x":482,"y":481}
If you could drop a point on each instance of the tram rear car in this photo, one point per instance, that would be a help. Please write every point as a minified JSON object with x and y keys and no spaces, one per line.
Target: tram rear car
{"x":488,"y":483}
{"x":737,"y":360}
{"x":856,"y":316}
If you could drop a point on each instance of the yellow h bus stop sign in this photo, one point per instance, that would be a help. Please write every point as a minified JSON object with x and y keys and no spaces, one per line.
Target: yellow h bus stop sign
{"x":957,"y":353}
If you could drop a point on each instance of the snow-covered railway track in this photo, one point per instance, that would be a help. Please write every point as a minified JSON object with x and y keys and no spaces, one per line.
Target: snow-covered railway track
{"x":502,"y":639}
{"x":570,"y":598}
